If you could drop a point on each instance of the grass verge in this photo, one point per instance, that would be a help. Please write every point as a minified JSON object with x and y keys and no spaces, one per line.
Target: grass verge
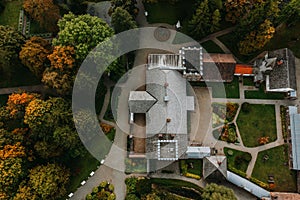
{"x":261,"y":94}
{"x":275,"y":165}
{"x":257,"y":121}
{"x":10,"y":15}
{"x":237,"y":159}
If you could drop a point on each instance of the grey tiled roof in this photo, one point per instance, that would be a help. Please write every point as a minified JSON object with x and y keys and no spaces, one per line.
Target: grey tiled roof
{"x":283,"y":76}
{"x":214,"y":163}
{"x":140,"y":101}
{"x":175,"y":109}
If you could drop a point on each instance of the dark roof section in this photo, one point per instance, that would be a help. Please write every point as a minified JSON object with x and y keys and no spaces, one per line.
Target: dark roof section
{"x":283,"y":75}
{"x":192,"y":58}
{"x":218,"y":67}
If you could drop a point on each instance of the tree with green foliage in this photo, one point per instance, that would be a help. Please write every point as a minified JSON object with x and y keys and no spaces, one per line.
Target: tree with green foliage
{"x":257,"y":39}
{"x":200,"y":22}
{"x":204,"y":21}
{"x":128,"y":5}
{"x":236,"y":9}
{"x":215,"y":22}
{"x":10,"y":44}
{"x":12,"y":163}
{"x":34,"y":55}
{"x":217,"y":192}
{"x":45,"y":12}
{"x":83,"y":32}
{"x":151,"y":196}
{"x":24,"y":193}
{"x":122,"y":20}
{"x":105,"y":191}
{"x":48,"y":181}
{"x":290,"y":12}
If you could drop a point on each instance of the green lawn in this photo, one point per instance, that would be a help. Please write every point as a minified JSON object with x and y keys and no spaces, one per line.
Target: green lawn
{"x":10,"y":15}
{"x":82,"y":167}
{"x":238,"y":159}
{"x":211,"y":47}
{"x":248,"y":81}
{"x":165,"y":12}
{"x":195,"y":167}
{"x":80,"y":170}
{"x":17,"y":75}
{"x":260,"y":121}
{"x":261,"y":94}
{"x":231,"y":89}
{"x":277,"y":166}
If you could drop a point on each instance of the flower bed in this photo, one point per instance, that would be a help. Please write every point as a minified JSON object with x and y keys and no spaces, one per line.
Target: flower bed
{"x":283,"y":116}
{"x":228,"y":133}
{"x":136,"y":165}
{"x":224,"y":113}
{"x":191,"y":168}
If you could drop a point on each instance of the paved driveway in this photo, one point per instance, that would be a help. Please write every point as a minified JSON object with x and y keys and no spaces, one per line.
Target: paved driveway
{"x":201,"y":118}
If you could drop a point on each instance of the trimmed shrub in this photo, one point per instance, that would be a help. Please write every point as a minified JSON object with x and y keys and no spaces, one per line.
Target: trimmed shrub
{"x":183,"y":167}
{"x":143,"y":187}
{"x":246,"y":107}
{"x":195,"y":176}
{"x":260,"y":183}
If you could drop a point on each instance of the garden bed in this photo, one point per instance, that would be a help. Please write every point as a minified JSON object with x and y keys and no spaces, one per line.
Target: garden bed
{"x":257,"y":124}
{"x":191,"y":166}
{"x":284,"y":122}
{"x":237,"y":159}
{"x":223,"y":113}
{"x":228,"y":133}
{"x":135,"y":165}
{"x":274,"y":162}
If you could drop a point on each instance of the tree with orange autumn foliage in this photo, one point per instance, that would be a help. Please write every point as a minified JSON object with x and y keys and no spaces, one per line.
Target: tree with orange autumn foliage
{"x":11,"y":167}
{"x":45,"y":12}
{"x":34,"y":55}
{"x":18,"y":101}
{"x":60,"y":75}
{"x":62,"y":58}
{"x":257,"y":39}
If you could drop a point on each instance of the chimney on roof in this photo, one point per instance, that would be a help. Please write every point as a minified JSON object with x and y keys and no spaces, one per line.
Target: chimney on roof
{"x":280,"y":62}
